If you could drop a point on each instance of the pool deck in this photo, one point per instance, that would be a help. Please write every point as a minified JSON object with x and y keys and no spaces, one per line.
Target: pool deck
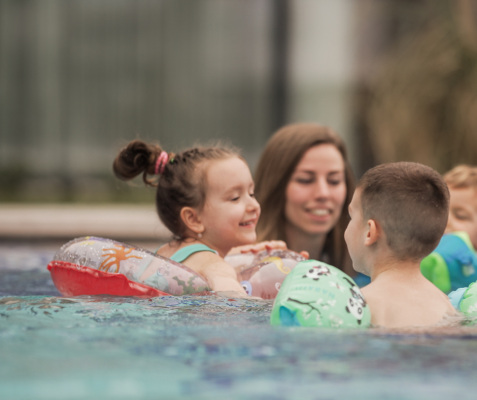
{"x":66,"y":221}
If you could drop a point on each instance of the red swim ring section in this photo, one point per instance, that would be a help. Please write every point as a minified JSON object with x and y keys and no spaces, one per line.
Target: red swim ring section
{"x":76,"y":280}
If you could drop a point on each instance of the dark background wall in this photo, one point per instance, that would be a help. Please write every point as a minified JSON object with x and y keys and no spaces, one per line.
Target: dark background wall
{"x":80,"y":78}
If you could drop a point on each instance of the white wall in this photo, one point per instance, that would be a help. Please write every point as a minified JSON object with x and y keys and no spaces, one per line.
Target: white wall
{"x":322,"y":64}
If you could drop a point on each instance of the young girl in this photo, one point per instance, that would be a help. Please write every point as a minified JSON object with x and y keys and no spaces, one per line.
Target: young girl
{"x":205,"y":197}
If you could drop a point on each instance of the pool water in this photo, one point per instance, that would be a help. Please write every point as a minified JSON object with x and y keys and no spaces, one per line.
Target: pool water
{"x":104,"y":347}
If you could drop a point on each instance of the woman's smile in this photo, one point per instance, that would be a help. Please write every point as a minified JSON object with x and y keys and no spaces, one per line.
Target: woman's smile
{"x":316,"y":191}
{"x":319,"y":215}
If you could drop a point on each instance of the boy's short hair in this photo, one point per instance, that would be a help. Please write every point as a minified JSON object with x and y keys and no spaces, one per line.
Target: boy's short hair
{"x":411,"y":203}
{"x":461,"y":177}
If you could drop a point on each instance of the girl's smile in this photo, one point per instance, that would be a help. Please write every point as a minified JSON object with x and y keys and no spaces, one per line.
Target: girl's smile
{"x":249,"y":224}
{"x":231,"y":212}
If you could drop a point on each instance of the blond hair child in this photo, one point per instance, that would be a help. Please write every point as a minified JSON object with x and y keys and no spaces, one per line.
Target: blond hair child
{"x":462,"y":183}
{"x":453,"y":264}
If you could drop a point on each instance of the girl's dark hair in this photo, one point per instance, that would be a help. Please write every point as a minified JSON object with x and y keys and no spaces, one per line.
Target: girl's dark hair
{"x":282,"y":154}
{"x":182,"y":182}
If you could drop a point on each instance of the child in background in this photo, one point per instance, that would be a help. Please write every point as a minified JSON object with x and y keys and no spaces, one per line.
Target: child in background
{"x":462,"y":183}
{"x":398,"y":215}
{"x":453,"y":264}
{"x":205,"y":197}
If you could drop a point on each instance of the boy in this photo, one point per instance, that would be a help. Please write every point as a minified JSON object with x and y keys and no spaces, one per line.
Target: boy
{"x":462,"y":182}
{"x":398,"y":215}
{"x":453,"y":264}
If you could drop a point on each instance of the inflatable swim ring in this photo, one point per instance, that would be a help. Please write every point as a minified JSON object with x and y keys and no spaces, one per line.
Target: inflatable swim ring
{"x":320,"y":295}
{"x":92,"y":265}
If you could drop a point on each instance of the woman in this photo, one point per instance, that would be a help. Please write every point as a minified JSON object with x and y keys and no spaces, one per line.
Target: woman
{"x":304,"y":185}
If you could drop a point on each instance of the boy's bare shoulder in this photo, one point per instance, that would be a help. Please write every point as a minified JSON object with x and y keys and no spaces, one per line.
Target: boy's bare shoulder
{"x":368,"y":292}
{"x":375,"y":297}
{"x":395,"y":304}
{"x":376,"y":292}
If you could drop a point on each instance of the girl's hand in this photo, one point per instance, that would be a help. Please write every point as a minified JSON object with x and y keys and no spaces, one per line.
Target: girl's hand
{"x":258,"y":247}
{"x":305,"y":254}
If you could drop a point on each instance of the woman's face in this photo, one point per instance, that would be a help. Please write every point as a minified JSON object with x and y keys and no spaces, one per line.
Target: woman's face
{"x":316,"y":191}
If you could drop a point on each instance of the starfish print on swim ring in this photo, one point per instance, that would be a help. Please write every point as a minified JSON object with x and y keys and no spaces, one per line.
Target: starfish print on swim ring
{"x":114,"y":258}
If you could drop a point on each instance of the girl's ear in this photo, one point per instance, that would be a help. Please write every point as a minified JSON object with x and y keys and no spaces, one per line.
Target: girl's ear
{"x":191,"y":219}
{"x":372,"y":234}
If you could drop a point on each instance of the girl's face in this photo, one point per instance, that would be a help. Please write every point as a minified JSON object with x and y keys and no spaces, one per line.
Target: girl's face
{"x":230,"y":212}
{"x":316,"y":191}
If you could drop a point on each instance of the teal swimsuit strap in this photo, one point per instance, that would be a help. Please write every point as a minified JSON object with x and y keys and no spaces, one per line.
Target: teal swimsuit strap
{"x":185,"y":252}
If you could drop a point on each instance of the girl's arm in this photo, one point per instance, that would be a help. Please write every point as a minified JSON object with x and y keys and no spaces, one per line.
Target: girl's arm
{"x":220,"y":275}
{"x":223,"y":278}
{"x":268,"y":245}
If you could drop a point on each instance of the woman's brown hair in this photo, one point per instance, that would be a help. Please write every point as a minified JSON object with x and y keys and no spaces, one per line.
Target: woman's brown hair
{"x":282,"y":154}
{"x":181,"y":181}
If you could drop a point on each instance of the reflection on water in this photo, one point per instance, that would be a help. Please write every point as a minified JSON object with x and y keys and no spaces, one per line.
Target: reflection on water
{"x":210,"y":347}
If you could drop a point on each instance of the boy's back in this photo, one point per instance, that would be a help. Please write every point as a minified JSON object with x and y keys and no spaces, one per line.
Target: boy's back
{"x":398,"y":215}
{"x":398,"y":300}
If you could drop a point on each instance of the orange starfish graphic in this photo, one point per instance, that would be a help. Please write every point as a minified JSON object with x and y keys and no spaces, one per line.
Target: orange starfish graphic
{"x":114,"y":258}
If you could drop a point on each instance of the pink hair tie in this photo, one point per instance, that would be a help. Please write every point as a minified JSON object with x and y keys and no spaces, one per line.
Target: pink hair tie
{"x":161,"y":163}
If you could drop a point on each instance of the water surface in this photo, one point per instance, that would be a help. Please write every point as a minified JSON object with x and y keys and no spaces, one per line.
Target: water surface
{"x":104,"y":347}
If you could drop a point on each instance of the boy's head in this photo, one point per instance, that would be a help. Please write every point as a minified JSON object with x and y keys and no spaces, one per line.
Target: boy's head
{"x":409,"y":202}
{"x":462,"y":182}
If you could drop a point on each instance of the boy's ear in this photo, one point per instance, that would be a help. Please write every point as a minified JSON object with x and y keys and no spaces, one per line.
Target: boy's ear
{"x":191,"y":219}
{"x":372,"y":234}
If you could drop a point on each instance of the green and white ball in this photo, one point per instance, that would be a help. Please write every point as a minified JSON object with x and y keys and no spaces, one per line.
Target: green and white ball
{"x":320,"y":295}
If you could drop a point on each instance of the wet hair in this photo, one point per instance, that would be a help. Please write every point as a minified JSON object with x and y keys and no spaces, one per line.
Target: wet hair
{"x":182,"y":182}
{"x":282,"y":154}
{"x":462,"y":177}
{"x":411,"y":203}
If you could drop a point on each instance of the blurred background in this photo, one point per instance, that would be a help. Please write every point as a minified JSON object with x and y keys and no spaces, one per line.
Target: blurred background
{"x":80,"y":78}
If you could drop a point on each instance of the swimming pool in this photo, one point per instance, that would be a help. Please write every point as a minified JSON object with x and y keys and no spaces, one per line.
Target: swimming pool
{"x":203,"y":348}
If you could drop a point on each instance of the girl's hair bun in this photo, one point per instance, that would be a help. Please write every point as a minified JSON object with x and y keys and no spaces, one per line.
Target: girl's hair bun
{"x":182,"y":176}
{"x":136,"y":158}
